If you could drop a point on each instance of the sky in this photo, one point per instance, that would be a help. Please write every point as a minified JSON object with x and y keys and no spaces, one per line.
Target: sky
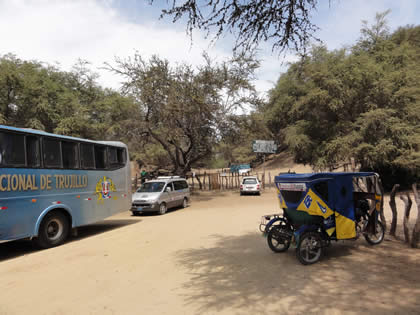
{"x":59,"y":32}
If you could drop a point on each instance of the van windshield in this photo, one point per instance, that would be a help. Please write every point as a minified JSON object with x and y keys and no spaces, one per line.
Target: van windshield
{"x":151,"y":187}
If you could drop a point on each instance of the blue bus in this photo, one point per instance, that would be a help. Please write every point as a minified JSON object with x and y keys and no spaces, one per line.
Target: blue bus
{"x":51,"y":184}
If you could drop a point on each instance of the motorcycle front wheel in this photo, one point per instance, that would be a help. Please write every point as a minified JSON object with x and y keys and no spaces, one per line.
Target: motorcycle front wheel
{"x":378,"y":237}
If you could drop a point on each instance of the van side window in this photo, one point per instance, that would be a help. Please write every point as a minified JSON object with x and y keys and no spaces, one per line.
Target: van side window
{"x":180,"y":185}
{"x":177,"y":185}
{"x":33,"y":154}
{"x":100,"y":157}
{"x":86,"y":155}
{"x":70,"y":154}
{"x":52,"y":153}
{"x":12,"y":149}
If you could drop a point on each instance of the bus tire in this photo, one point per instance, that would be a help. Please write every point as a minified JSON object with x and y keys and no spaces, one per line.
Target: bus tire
{"x":53,"y":230}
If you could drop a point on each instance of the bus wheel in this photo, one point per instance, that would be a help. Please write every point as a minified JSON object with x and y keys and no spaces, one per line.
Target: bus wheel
{"x":53,"y":230}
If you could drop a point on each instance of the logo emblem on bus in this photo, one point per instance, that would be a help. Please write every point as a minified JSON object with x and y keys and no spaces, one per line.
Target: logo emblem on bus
{"x":104,"y":187}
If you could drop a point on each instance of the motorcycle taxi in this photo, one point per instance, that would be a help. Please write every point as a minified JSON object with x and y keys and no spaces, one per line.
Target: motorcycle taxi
{"x":322,"y":207}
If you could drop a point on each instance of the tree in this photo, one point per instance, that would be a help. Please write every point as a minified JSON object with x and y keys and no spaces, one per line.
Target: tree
{"x":372,"y":35}
{"x":285,"y":22}
{"x":361,"y":103}
{"x":40,"y":96}
{"x":180,"y":108}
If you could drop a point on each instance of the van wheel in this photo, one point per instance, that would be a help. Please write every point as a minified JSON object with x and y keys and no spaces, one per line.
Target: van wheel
{"x":53,"y":230}
{"x":162,"y":208}
{"x":185,"y":203}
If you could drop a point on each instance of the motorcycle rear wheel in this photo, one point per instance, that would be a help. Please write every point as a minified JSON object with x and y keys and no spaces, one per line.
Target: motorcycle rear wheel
{"x":276,"y":240}
{"x":310,"y":249}
{"x":378,"y":237}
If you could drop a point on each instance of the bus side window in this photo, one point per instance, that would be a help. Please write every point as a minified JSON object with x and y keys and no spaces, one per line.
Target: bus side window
{"x":33,"y":155}
{"x":122,"y":156}
{"x":100,"y":157}
{"x":87,"y":156}
{"x":12,"y":149}
{"x":70,"y":154}
{"x":113,"y":157}
{"x":52,"y":153}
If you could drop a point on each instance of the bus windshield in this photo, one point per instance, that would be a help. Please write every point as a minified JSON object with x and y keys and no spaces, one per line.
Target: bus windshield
{"x":151,"y":187}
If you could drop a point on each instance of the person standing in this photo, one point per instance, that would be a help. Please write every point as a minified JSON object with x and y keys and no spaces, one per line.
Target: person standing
{"x":143,"y":176}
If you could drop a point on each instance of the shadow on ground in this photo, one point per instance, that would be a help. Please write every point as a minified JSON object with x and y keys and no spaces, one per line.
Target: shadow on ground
{"x":18,"y":248}
{"x":240,"y":272}
{"x":205,"y":195}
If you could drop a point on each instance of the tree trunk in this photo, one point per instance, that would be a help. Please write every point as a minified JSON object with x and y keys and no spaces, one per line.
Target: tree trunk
{"x":407,"y":201}
{"x":353,"y":164}
{"x":416,"y":231}
{"x":210,"y":183}
{"x":394,"y":210}
{"x":199,"y":182}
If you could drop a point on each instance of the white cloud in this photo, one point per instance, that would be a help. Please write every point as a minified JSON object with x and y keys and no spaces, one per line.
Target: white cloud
{"x":341,"y":20}
{"x":63,"y":31}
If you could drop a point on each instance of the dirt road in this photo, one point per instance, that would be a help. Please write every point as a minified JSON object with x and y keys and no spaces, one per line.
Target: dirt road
{"x":206,"y":259}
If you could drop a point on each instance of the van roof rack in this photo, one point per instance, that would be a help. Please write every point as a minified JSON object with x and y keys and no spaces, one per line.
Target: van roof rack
{"x":168,"y":177}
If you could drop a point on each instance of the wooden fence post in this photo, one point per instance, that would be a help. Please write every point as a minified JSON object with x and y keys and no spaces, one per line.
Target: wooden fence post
{"x":381,"y":212}
{"x":407,"y":202}
{"x":263,"y":180}
{"x":393,"y":206}
{"x":210,"y":183}
{"x":416,"y":231}
{"x":204,"y":181}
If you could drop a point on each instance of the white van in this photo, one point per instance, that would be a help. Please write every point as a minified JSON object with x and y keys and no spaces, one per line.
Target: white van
{"x":161,"y":194}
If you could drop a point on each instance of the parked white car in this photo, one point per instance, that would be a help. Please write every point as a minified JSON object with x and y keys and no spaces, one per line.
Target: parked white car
{"x":250,"y":185}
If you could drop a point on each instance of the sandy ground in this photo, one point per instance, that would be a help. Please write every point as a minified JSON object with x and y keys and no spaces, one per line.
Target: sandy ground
{"x":207,"y":259}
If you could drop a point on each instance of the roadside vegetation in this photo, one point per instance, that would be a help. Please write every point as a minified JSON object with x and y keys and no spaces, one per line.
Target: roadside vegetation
{"x":361,"y":102}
